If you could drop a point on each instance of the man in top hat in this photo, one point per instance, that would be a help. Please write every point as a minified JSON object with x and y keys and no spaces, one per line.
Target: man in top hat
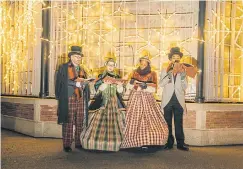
{"x":72,"y":93}
{"x":174,"y":81}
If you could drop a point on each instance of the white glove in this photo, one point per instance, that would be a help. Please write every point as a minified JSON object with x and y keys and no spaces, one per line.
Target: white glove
{"x":150,"y":89}
{"x":103,"y":87}
{"x":78,"y":84}
{"x":119,"y":88}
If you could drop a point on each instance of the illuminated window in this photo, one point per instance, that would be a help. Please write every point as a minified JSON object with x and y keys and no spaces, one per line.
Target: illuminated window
{"x":224,"y":51}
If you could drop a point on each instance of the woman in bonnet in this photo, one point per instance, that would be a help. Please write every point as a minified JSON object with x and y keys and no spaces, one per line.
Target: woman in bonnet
{"x":106,"y":118}
{"x":145,"y":124}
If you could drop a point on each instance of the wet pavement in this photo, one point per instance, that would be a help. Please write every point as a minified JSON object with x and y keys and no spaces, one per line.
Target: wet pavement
{"x":23,"y":152}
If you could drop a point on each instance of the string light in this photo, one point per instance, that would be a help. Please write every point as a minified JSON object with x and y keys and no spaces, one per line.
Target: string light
{"x":18,"y":35}
{"x":89,"y":26}
{"x":234,"y":86}
{"x":15,"y":32}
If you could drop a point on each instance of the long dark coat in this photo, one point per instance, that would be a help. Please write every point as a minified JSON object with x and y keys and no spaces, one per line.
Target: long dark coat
{"x":61,"y":92}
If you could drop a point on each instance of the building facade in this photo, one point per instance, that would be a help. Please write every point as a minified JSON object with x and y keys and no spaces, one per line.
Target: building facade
{"x":36,"y":36}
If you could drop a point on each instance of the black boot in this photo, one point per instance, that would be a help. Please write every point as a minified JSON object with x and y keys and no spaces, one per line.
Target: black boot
{"x":79,"y":147}
{"x":168,"y":146}
{"x":170,"y":143}
{"x":144,"y":148}
{"x":67,"y":149}
{"x":182,"y":147}
{"x":187,"y":145}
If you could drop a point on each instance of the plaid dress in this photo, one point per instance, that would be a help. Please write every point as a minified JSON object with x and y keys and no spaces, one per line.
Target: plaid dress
{"x":145,"y":124}
{"x":106,"y":124}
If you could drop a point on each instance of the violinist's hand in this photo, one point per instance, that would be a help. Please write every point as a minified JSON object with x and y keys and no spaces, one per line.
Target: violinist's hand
{"x":169,"y":67}
{"x":176,"y":64}
{"x":177,"y":67}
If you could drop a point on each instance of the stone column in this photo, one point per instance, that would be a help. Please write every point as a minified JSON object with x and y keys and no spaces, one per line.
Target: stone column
{"x":200,"y":55}
{"x":45,"y":49}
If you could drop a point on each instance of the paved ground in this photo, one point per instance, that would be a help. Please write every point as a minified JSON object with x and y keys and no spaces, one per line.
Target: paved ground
{"x":23,"y":152}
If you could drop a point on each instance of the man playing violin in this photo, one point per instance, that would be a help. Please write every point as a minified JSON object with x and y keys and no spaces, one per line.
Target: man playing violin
{"x":174,"y":83}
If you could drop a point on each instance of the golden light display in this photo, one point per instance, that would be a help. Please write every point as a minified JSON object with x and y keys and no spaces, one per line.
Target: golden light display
{"x":113,"y":26}
{"x":17,"y":38}
{"x":125,"y":28}
{"x":224,"y":51}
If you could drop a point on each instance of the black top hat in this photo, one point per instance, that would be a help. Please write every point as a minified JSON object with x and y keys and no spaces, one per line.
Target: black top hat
{"x":75,"y":50}
{"x":173,"y":51}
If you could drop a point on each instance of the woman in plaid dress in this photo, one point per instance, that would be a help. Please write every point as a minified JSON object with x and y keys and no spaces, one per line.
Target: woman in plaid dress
{"x":145,"y":124}
{"x":106,"y":119}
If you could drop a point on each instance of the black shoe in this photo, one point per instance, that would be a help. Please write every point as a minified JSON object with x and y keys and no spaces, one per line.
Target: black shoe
{"x":187,"y":145}
{"x":144,"y":148}
{"x":183,"y":148}
{"x":78,"y":147}
{"x":168,"y":147}
{"x":67,"y":149}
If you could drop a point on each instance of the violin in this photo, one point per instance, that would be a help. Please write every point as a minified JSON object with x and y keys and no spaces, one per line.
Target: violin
{"x":190,"y":70}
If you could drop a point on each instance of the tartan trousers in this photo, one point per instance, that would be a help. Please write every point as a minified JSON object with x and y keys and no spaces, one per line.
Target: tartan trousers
{"x":75,"y":117}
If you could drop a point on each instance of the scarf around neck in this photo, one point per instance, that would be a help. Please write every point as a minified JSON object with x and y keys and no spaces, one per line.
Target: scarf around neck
{"x":144,"y":71}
